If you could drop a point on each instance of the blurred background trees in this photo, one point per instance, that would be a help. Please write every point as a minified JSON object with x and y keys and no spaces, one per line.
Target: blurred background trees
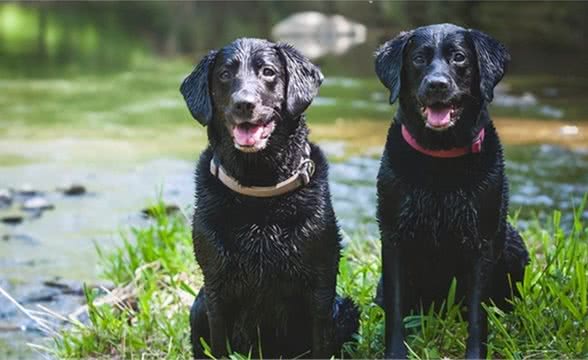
{"x":53,"y":36}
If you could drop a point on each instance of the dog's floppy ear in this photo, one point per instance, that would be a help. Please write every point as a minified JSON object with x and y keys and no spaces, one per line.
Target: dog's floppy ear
{"x":195,"y":90}
{"x":389,"y":63}
{"x":303,"y":79}
{"x":493,"y":59}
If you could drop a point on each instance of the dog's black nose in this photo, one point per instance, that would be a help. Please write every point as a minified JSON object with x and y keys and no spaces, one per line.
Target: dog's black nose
{"x":243,"y":104}
{"x":437,"y":84}
{"x":244,"y":107}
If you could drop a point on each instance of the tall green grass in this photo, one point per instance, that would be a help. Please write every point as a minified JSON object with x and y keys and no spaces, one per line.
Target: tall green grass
{"x":155,"y":266}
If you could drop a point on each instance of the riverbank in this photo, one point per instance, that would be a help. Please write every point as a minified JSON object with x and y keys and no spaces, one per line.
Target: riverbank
{"x":156,"y":280}
{"x":343,"y":138}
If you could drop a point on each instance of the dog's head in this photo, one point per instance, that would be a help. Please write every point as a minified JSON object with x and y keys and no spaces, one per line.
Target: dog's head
{"x":251,"y":89}
{"x":443,"y":74}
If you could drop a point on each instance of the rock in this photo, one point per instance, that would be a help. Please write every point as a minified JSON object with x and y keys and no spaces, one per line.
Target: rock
{"x":23,"y":238}
{"x":152,"y":211}
{"x":6,"y":198}
{"x":37,"y":203}
{"x":73,"y":190}
{"x":12,"y":217}
{"x":69,"y":287}
{"x":27,"y":190}
{"x":11,"y":327}
{"x":316,"y":34}
{"x":41,"y":294}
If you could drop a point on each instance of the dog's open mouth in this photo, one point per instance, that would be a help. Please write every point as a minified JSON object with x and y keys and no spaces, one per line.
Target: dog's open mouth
{"x":440,"y":116}
{"x":252,"y":136}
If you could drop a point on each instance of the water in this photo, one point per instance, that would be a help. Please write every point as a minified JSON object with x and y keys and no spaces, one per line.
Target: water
{"x":61,"y":242}
{"x":127,"y":136}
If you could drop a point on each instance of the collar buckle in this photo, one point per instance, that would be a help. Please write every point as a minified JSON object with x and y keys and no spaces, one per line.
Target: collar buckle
{"x":306,"y":170}
{"x":301,"y":177}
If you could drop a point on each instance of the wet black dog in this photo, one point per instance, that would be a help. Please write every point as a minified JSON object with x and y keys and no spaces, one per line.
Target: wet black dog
{"x":269,"y":261}
{"x":442,"y":192}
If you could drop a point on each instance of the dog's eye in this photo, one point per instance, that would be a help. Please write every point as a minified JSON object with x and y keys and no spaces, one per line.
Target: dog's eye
{"x":459,"y":57}
{"x":268,"y":72}
{"x":225,"y":75}
{"x":418,"y":60}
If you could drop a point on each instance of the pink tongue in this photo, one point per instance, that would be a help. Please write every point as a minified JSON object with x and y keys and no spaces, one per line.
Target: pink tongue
{"x":438,"y":117}
{"x":247,"y":135}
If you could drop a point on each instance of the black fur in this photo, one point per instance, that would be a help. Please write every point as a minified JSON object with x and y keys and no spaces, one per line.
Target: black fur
{"x":195,"y":90}
{"x":269,"y":264}
{"x":442,"y":218}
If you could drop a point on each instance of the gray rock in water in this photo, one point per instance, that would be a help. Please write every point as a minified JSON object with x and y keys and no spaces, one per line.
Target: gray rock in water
{"x":37,"y":203}
{"x":6,"y":197}
{"x":12,"y":217}
{"x":27,"y":190}
{"x":23,"y":238}
{"x":70,"y":287}
{"x":73,"y":190}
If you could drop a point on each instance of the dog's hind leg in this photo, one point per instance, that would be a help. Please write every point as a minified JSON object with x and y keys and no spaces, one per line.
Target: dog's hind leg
{"x":199,"y":325}
{"x":509,"y":270}
{"x":346,"y":318}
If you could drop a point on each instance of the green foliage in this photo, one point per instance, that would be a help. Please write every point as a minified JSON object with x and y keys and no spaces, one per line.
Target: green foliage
{"x":148,"y":313}
{"x":157,"y":267}
{"x":551,"y":317}
{"x":167,"y":242}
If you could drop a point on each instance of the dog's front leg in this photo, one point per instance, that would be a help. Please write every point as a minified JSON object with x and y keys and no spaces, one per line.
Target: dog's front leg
{"x":477,"y":317}
{"x":323,"y":325}
{"x":393,"y":302}
{"x":217,"y":323}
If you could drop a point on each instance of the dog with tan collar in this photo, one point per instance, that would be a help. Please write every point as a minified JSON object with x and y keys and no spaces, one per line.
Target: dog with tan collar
{"x":264,"y":229}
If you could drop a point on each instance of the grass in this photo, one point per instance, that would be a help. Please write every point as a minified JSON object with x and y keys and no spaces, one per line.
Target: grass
{"x":155,"y":269}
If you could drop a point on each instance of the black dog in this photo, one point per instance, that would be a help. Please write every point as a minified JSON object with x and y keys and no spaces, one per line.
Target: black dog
{"x":442,"y":192}
{"x":264,"y":230}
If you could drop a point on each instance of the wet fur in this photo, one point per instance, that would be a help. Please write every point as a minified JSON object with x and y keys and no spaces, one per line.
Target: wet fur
{"x":444,"y":218}
{"x":270,"y":264}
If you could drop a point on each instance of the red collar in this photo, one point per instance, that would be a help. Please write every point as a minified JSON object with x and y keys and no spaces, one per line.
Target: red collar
{"x":476,"y":146}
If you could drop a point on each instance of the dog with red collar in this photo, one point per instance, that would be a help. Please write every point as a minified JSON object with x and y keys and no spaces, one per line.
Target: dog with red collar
{"x":442,"y":191}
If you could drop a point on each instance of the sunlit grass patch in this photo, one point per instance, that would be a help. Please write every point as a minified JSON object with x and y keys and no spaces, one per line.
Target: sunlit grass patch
{"x":157,"y":279}
{"x":147,"y":314}
{"x":13,"y":159}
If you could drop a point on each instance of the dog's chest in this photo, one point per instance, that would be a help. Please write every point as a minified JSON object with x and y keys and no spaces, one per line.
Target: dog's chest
{"x":439,"y":219}
{"x":262,"y":256}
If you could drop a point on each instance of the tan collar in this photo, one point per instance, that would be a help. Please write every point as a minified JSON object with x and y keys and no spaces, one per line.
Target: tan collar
{"x":300,"y":178}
